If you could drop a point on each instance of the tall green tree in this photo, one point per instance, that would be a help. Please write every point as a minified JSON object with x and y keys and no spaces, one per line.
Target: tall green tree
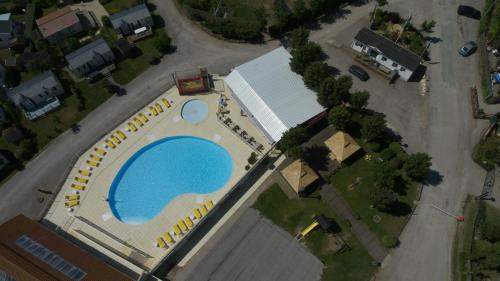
{"x":305,"y":55}
{"x":333,"y":92}
{"x":359,"y":99}
{"x":162,"y":43}
{"x":300,"y":11}
{"x":385,"y":176}
{"x":292,"y":138}
{"x":383,"y":199}
{"x":417,"y":165}
{"x":315,"y":74}
{"x":373,"y":127}
{"x":340,"y":117}
{"x":299,"y":37}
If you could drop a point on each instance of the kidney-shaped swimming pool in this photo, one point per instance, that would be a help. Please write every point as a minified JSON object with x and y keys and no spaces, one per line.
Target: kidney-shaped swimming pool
{"x":163,"y":170}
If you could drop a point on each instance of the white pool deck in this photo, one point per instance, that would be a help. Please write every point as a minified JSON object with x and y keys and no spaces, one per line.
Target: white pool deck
{"x":134,"y":245}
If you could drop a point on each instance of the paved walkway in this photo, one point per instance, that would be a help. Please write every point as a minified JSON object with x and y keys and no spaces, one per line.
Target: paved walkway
{"x":358,"y":227}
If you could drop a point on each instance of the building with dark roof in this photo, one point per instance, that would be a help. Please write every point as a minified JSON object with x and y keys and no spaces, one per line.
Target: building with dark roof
{"x":37,"y":96}
{"x":59,"y":25}
{"x":386,"y":52}
{"x":9,"y":31}
{"x":30,"y":251}
{"x":127,"y":21}
{"x":90,"y":58}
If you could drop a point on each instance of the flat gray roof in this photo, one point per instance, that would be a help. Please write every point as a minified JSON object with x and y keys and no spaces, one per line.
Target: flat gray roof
{"x":87,"y":52}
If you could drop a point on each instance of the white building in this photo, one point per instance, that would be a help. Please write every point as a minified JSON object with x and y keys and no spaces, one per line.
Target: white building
{"x":386,"y":52}
{"x":272,"y":94}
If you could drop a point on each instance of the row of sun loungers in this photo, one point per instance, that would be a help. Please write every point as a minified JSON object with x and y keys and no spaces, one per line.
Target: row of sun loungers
{"x":184,"y":225}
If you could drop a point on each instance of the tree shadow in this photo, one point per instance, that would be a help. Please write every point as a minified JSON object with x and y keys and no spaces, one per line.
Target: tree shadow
{"x":158,"y":21}
{"x":317,"y":157}
{"x":399,"y":209}
{"x":333,"y":16}
{"x":333,"y":71}
{"x":433,"y":178}
{"x":358,"y":3}
{"x":400,"y":186}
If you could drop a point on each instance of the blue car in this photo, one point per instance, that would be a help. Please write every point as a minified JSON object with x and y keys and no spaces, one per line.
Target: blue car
{"x":468,"y":49}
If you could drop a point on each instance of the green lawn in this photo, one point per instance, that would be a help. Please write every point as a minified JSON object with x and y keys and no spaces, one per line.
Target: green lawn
{"x":116,"y":6}
{"x":463,"y":240}
{"x":294,"y":215}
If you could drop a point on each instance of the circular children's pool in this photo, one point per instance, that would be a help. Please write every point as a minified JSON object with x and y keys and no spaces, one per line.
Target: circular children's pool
{"x":194,"y":111}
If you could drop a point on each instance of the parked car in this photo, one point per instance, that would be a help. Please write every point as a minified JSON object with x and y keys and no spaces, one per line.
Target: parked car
{"x":359,"y":72}
{"x":468,"y":11}
{"x":468,"y":49}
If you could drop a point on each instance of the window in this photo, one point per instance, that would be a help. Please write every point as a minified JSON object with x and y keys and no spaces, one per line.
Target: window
{"x":52,"y":259}
{"x":383,"y":58}
{"x":394,"y":64}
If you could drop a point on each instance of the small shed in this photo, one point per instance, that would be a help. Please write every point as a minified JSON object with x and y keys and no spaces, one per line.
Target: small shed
{"x":299,"y":175}
{"x":341,"y":146}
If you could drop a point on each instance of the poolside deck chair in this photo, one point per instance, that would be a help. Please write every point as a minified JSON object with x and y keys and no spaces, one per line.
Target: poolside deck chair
{"x":72,"y":197}
{"x":177,"y":230}
{"x":158,"y":107}
{"x":115,"y":139}
{"x":153,"y":111}
{"x":166,"y":102}
{"x":92,"y":163}
{"x":121,"y":134}
{"x":132,"y":127}
{"x":71,"y":203}
{"x":137,"y":122}
{"x":143,"y":117}
{"x":183,"y":225}
{"x":80,"y":180}
{"x":86,"y":173}
{"x":110,"y":144}
{"x":210,"y":204}
{"x":189,"y":222}
{"x":204,"y":209}
{"x":197,"y":213}
{"x":78,"y":187}
{"x":167,"y":237}
{"x":100,"y":151}
{"x":95,"y":157}
{"x":160,"y":243}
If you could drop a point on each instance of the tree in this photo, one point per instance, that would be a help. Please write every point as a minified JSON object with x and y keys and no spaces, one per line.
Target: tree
{"x":291,"y":138}
{"x":304,"y":56}
{"x":300,"y":11}
{"x":72,"y":44}
{"x":162,"y":43}
{"x":333,"y":92}
{"x":284,"y":18}
{"x":318,"y":7}
{"x":383,"y":199}
{"x":295,"y":152}
{"x":340,"y":117}
{"x":417,"y":165}
{"x":359,"y":99}
{"x":381,"y":3}
{"x":385,"y":176}
{"x":428,"y":26}
{"x":373,"y":127}
{"x":315,"y":74}
{"x":299,"y":37}
{"x":105,"y":21}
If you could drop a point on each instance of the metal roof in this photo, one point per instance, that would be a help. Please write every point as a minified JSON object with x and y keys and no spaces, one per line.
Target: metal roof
{"x":5,"y":23}
{"x":131,"y":15}
{"x":389,"y":49}
{"x":37,"y":90}
{"x":275,"y":96}
{"x":86,"y":53}
{"x":57,"y":21}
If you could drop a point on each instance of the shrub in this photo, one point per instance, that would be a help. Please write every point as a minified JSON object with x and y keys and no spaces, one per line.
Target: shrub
{"x":387,"y":154}
{"x":396,"y":163}
{"x":104,"y":2}
{"x":253,"y":158}
{"x":374,"y":146}
{"x":162,"y":43}
{"x":105,"y":21}
{"x":396,"y":148}
{"x":417,"y":165}
{"x":390,"y":241}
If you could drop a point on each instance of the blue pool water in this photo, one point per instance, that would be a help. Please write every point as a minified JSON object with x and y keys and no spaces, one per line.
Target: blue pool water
{"x":163,"y":170}
{"x":194,"y":111}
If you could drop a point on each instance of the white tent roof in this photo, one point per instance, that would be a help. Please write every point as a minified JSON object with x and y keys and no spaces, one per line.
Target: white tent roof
{"x":275,"y":96}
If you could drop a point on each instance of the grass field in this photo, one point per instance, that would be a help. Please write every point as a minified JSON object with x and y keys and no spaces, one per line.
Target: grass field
{"x":294,"y":215}
{"x":463,"y":240}
{"x":116,"y":6}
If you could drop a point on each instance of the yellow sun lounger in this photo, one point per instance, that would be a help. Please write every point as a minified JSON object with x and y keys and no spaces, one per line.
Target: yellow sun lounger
{"x":183,"y":225}
{"x":189,"y":222}
{"x":71,"y":197}
{"x":80,"y":180}
{"x":158,"y":107}
{"x":137,"y":122}
{"x":177,"y":230}
{"x":95,"y":157}
{"x":110,"y":143}
{"x":161,"y":243}
{"x":115,"y":139}
{"x":78,"y":187}
{"x":165,"y":102}
{"x":72,"y":203}
{"x":143,"y":117}
{"x":153,"y":111}
{"x":100,"y":151}
{"x":167,"y":237}
{"x":121,"y":134}
{"x":210,"y":204}
{"x":86,"y":173}
{"x":92,"y":163}
{"x":197,"y":213}
{"x":132,"y":127}
{"x":204,"y":209}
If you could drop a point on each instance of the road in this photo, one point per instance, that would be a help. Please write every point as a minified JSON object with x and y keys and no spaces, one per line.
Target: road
{"x":438,"y":123}
{"x":48,"y":169}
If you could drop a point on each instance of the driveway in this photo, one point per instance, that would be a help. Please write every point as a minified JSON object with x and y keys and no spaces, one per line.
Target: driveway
{"x":48,"y":170}
{"x":438,"y":123}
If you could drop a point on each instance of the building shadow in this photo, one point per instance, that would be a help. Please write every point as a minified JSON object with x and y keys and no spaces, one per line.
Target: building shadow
{"x":418,"y":74}
{"x":317,"y":157}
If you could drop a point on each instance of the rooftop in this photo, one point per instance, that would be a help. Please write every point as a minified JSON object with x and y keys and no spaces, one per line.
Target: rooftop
{"x":389,"y":48}
{"x":341,"y":146}
{"x":87,"y":52}
{"x":5,"y":23}
{"x":57,"y":21}
{"x":31,"y":88}
{"x":130,"y":15}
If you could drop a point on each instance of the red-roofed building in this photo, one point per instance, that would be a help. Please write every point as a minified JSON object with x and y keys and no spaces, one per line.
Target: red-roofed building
{"x":59,"y":25}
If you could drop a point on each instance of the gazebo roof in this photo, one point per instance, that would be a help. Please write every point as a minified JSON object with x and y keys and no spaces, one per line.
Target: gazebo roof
{"x":299,"y":175}
{"x":341,"y":146}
